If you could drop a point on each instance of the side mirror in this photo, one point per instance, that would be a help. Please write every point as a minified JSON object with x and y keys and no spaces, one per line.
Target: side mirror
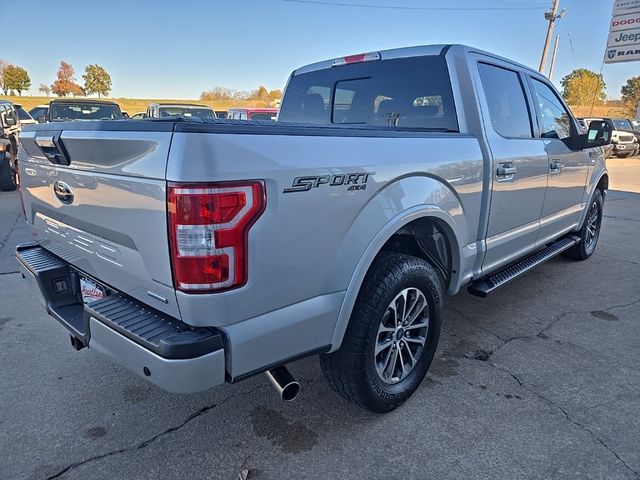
{"x":10,"y":120}
{"x":598,"y":135}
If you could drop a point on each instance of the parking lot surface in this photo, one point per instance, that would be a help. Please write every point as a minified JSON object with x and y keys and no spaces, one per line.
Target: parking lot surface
{"x":540,"y":380}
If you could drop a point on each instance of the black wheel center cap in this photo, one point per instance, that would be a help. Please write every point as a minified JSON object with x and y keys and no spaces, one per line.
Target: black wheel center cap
{"x":399,"y":334}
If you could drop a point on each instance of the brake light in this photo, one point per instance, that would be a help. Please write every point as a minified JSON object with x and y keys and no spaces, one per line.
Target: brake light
{"x":208,"y":229}
{"x":361,"y":57}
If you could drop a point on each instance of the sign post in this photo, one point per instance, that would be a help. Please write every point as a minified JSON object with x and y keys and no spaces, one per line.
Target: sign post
{"x":623,"y":43}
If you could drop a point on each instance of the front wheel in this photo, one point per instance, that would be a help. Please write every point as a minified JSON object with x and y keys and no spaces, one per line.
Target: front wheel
{"x":7,"y":173}
{"x":392,"y":335}
{"x":590,"y":231}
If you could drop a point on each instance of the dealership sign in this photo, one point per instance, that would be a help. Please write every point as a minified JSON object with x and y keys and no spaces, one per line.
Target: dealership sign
{"x":623,"y":43}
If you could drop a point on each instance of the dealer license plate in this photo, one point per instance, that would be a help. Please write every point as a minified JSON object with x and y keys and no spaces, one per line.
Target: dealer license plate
{"x":91,"y":291}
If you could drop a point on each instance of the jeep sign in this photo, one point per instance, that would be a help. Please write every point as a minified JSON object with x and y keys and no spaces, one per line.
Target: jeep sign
{"x":623,"y":43}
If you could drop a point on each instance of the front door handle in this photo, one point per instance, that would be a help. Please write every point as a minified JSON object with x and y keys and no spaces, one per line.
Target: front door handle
{"x":506,"y":170}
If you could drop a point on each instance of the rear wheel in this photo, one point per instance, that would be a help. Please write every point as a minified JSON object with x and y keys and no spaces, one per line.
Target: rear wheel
{"x":590,"y":232}
{"x":392,"y":335}
{"x":7,"y":173}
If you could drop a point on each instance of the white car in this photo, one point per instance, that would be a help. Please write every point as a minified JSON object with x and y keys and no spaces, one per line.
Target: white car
{"x":40,"y":112}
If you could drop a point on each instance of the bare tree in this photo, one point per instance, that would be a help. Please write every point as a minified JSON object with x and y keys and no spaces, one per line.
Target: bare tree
{"x":3,"y":65}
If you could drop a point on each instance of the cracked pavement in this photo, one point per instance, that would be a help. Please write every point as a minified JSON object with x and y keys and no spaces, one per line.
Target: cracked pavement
{"x":540,"y":380}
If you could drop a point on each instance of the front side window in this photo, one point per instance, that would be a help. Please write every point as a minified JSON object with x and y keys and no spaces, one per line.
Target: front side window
{"x":556,"y":121}
{"x":506,"y":101}
{"x":403,"y":93}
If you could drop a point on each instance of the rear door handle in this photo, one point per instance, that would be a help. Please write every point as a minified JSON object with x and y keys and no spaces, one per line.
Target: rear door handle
{"x":555,"y":166}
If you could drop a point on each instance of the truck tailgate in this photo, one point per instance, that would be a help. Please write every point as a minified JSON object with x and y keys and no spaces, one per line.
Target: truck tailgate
{"x":104,"y":212}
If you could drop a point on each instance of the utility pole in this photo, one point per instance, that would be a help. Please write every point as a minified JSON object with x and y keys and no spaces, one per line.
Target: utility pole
{"x":553,"y":57}
{"x":551,"y":17}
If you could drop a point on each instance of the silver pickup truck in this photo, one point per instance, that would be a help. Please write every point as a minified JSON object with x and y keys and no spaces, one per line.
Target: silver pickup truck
{"x":197,"y":252}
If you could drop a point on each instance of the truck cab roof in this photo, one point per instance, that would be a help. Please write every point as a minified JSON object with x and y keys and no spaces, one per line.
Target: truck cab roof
{"x":82,"y":100}
{"x":404,"y":52}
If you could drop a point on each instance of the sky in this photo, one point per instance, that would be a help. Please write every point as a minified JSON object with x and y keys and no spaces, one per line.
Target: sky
{"x":169,"y":49}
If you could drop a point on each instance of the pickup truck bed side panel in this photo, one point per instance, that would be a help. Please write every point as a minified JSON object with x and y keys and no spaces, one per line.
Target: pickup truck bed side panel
{"x":297,"y":254}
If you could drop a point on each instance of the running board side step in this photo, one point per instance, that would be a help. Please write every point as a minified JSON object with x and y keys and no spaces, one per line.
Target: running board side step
{"x":486,"y":285}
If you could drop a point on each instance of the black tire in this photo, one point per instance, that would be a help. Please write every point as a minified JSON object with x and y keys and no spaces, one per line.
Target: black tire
{"x":352,"y":370}
{"x":7,"y":173}
{"x":590,"y":231}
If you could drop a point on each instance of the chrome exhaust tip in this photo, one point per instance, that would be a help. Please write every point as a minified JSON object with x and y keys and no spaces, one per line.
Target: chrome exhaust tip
{"x":283,"y":381}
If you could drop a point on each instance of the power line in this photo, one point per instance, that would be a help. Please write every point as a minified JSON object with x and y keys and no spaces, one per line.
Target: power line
{"x":399,"y":7}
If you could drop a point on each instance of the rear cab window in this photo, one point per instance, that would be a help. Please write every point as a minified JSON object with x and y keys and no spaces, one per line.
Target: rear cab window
{"x":178,"y":111}
{"x":64,"y":111}
{"x":263,"y":116}
{"x":403,"y":94}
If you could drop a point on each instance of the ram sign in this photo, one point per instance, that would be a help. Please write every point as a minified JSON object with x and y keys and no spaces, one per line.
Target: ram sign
{"x":623,"y":44}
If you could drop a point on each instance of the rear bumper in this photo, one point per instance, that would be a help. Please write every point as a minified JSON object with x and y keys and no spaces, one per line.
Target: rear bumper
{"x":167,"y":352}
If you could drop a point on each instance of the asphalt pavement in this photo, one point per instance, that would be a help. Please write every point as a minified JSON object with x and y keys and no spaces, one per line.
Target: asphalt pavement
{"x":540,"y":380}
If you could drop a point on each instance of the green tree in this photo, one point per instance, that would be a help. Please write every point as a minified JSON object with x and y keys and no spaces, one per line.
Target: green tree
{"x":96,"y":80}
{"x":582,"y":87}
{"x":16,"y":79}
{"x":631,"y":94}
{"x":65,"y":83}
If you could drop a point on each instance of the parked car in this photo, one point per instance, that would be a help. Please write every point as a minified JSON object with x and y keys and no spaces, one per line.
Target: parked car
{"x":226,"y":249}
{"x":9,"y":132}
{"x":166,"y":110}
{"x":138,"y":116}
{"x":80,"y":109}
{"x":624,"y":144}
{"x":252,"y":113}
{"x":626,"y":125}
{"x":23,"y":116}
{"x":40,"y":113}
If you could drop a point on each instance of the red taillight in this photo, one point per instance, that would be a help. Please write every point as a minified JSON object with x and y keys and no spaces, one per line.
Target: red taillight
{"x":208,"y":229}
{"x":361,"y":57}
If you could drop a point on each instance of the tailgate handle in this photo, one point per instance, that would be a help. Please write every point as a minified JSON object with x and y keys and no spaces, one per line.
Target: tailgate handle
{"x":45,"y":142}
{"x":51,"y":146}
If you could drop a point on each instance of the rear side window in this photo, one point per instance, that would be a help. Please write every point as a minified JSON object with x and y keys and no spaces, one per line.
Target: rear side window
{"x":507,"y":104}
{"x":404,"y":93}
